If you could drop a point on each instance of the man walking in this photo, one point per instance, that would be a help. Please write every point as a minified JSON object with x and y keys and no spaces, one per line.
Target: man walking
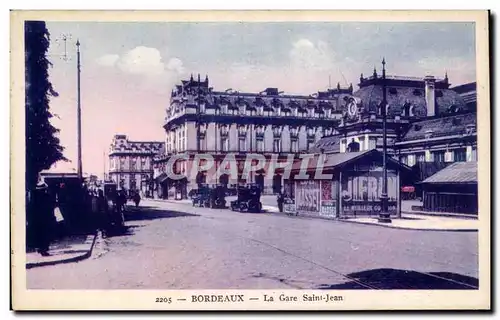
{"x":280,"y":201}
{"x":43,"y":218}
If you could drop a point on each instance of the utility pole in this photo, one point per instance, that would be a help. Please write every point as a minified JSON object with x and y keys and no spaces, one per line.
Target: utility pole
{"x":103,"y":166}
{"x":199,"y":115}
{"x":384,"y":214}
{"x":79,"y":112}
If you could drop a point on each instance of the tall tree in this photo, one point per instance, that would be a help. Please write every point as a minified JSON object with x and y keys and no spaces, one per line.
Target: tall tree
{"x":42,"y":144}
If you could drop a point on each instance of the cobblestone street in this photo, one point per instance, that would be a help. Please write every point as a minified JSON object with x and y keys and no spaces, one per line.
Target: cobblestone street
{"x":176,"y":246}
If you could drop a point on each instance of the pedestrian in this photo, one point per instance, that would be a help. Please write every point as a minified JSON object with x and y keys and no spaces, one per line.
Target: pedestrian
{"x":280,"y":201}
{"x":137,"y":199}
{"x":43,"y":218}
{"x":102,"y":209}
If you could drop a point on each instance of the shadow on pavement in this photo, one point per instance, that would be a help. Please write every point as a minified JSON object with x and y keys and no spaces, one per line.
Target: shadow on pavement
{"x":406,"y":279}
{"x":152,"y":213}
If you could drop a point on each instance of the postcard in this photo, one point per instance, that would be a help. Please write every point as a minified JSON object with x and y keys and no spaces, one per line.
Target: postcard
{"x":250,"y":160}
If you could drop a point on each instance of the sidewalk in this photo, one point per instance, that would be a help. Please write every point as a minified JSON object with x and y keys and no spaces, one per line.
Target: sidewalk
{"x":423,"y":222}
{"x":406,"y":208}
{"x":411,"y":222}
{"x":69,"y":249}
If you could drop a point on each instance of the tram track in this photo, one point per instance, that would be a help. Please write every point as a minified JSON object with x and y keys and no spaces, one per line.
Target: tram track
{"x":435,"y":283}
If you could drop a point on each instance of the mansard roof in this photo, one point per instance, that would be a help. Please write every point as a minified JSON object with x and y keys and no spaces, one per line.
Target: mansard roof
{"x":442,"y":126}
{"x":140,"y":147}
{"x":399,"y":97}
{"x":329,"y":144}
{"x":268,"y":98}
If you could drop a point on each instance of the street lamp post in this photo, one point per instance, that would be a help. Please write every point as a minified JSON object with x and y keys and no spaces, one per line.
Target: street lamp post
{"x":79,"y":112}
{"x":384,"y":215}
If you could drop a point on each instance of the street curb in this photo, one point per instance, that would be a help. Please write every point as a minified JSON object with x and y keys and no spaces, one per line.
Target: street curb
{"x":372,"y":224}
{"x":458,"y":216}
{"x":80,"y":257}
{"x":405,"y":228}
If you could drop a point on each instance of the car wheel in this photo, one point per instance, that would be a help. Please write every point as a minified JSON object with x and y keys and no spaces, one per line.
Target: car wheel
{"x":243,"y":207}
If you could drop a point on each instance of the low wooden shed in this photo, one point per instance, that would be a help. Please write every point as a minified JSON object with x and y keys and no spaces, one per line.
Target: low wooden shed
{"x":452,"y":189}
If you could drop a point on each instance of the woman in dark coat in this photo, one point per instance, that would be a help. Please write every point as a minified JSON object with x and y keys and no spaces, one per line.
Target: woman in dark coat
{"x":43,"y":218}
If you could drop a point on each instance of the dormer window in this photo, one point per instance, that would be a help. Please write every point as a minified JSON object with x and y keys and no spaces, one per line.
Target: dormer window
{"x":223,"y":108}
{"x":470,"y":129}
{"x":428,"y":134}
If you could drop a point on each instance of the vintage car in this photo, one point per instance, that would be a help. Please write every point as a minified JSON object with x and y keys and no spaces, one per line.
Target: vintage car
{"x":248,"y":199}
{"x":209,"y":197}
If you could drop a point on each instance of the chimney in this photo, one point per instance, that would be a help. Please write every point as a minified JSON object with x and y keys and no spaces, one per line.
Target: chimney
{"x":430,"y":95}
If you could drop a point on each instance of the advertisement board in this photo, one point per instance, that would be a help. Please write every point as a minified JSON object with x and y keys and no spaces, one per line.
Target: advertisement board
{"x":307,"y":196}
{"x":328,"y":198}
{"x":361,"y":192}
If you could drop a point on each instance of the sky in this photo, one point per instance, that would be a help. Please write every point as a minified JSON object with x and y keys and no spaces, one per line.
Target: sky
{"x":129,"y":69}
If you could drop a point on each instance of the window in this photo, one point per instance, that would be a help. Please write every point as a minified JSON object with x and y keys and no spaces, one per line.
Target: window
{"x":460,"y":155}
{"x":295,"y":145}
{"x":277,"y":145}
{"x":133,"y":163}
{"x":372,"y":142}
{"x":403,"y":159}
{"x":310,"y":144}
{"x":420,"y":157}
{"x":223,"y":108}
{"x":260,"y":145}
{"x":353,"y":147}
{"x":438,"y":156}
{"x":225,"y":143}
{"x":474,"y":154}
{"x":143,"y":163}
{"x":242,"y":144}
{"x":122,"y":164}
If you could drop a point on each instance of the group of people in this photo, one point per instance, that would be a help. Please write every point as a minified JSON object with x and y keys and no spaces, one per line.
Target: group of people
{"x":61,"y":210}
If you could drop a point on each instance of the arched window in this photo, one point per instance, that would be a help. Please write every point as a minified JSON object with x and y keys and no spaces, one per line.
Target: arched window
{"x":353,"y":147}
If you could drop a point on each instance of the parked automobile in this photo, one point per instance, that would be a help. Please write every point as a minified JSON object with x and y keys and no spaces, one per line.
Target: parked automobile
{"x":231,"y":192}
{"x":209,"y":197}
{"x":248,"y":199}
